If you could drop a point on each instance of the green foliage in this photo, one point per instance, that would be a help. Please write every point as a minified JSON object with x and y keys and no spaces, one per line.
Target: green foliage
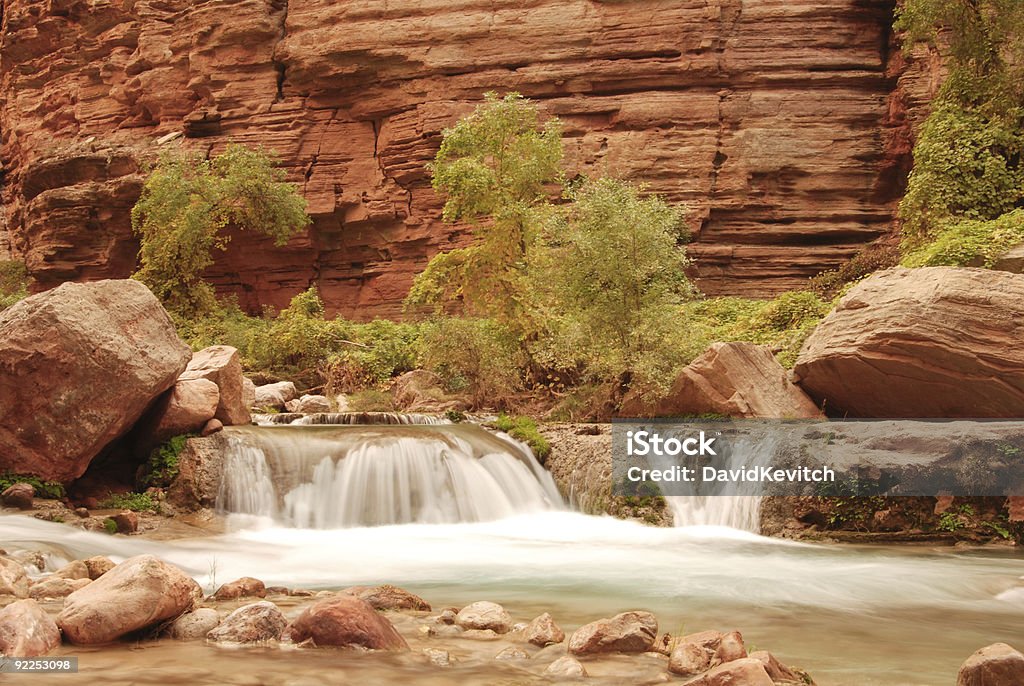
{"x":380,"y":350}
{"x":137,"y":502}
{"x":13,"y":282}
{"x":475,"y":355}
{"x":873,"y":257}
{"x":455,"y":416}
{"x":524,"y":429}
{"x":299,"y":338}
{"x":186,"y":203}
{"x":110,"y":526}
{"x":970,"y":242}
{"x":614,"y":278}
{"x":370,"y":400}
{"x":783,"y":323}
{"x":161,"y":467}
{"x":493,"y":167}
{"x":49,"y":490}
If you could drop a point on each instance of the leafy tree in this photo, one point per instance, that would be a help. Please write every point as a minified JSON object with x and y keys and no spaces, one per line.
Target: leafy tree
{"x":494,"y":167}
{"x":187,"y":201}
{"x":616,"y":278}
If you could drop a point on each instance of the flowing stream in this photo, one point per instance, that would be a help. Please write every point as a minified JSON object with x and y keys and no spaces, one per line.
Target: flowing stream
{"x":456,"y":514}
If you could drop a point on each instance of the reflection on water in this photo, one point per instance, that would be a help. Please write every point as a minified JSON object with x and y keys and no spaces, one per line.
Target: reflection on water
{"x":853,"y":616}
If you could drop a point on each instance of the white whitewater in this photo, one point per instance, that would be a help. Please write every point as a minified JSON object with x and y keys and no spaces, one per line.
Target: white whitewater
{"x":732,"y":505}
{"x":329,"y":477}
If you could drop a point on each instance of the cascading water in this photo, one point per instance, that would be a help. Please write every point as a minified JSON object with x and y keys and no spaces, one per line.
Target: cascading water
{"x":338,"y":476}
{"x":730,"y":504}
{"x":346,"y":418}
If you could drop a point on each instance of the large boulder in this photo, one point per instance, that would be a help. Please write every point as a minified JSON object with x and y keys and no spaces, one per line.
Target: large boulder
{"x":135,"y":594}
{"x":994,"y":665}
{"x":345,"y":620}
{"x":200,"y":467}
{"x":732,"y":379}
{"x":78,"y":366}
{"x":222,"y":365}
{"x":19,"y":495}
{"x":628,"y":632}
{"x":184,"y":409}
{"x":26,"y":630}
{"x":931,"y":342}
{"x":274,"y":395}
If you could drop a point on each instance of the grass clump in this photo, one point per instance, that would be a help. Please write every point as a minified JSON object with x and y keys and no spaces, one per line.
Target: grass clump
{"x":161,"y":467}
{"x":524,"y":429}
{"x":136,"y":502}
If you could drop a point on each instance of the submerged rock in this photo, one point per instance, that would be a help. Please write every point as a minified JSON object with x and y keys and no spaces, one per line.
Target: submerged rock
{"x":26,"y":630}
{"x":438,"y":657}
{"x":628,"y":632}
{"x":77,"y":569}
{"x":731,"y":379}
{"x":543,"y":631}
{"x":344,"y":621}
{"x":134,"y":595}
{"x":994,"y":665}
{"x":512,"y":653}
{"x":19,"y":495}
{"x":776,"y":670}
{"x":13,"y":578}
{"x":931,"y":342}
{"x":108,"y":351}
{"x":222,"y":365}
{"x":743,"y":672}
{"x":388,"y":597}
{"x":484,"y":615}
{"x":255,"y":623}
{"x":567,"y":668}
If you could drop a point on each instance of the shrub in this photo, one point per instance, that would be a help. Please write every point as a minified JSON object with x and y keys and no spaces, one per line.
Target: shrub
{"x":161,"y":467}
{"x":187,"y":202}
{"x":970,"y":242}
{"x":110,"y":526}
{"x":524,"y":429}
{"x":379,"y":351}
{"x":878,"y":255}
{"x":371,"y":400}
{"x":50,"y":490}
{"x":478,"y":356}
{"x":13,"y":282}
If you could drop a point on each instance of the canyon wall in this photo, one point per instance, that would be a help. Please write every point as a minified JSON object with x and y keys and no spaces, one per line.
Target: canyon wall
{"x":784,"y":125}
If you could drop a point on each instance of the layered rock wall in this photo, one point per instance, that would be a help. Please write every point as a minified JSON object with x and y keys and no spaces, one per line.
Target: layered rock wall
{"x":783,"y":124}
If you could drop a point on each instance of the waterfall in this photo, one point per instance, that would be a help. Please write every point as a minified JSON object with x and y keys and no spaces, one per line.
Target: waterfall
{"x":733,"y":505}
{"x":337,"y":476}
{"x":346,"y":418}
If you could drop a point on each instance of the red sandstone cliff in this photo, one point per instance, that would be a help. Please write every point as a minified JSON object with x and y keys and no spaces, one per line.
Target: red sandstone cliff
{"x":781,"y":123}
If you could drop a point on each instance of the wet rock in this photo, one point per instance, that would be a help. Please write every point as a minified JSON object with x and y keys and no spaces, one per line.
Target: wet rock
{"x":628,"y":632}
{"x":82,"y":512}
{"x":136,"y":594}
{"x":222,"y":365}
{"x":246,"y":587}
{"x":543,"y":631}
{"x":194,"y":625}
{"x":776,"y":670}
{"x":512,"y":653}
{"x":479,"y":634}
{"x":309,"y":404}
{"x":438,"y":657}
{"x":200,"y":467}
{"x":127,"y":521}
{"x":211,"y":427}
{"x":13,"y":579}
{"x":732,"y":379}
{"x":689,"y":659}
{"x":76,"y":569}
{"x":895,"y":346}
{"x":56,"y":587}
{"x":108,"y":351}
{"x":26,"y":630}
{"x":184,"y":409}
{"x":248,"y":392}
{"x":275,"y":395}
{"x":389,"y":597}
{"x":301,"y":593}
{"x":566,"y":668}
{"x":731,"y":647}
{"x":994,"y":665}
{"x":19,"y":495}
{"x":278,"y":590}
{"x":447,"y":616}
{"x":484,"y":615}
{"x":98,"y":566}
{"x":255,"y":623}
{"x":743,"y":672}
{"x":344,"y":621}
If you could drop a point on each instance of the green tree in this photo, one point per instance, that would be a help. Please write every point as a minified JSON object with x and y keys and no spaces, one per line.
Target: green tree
{"x":187,"y":201}
{"x":494,"y":167}
{"x":615,"y":278}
